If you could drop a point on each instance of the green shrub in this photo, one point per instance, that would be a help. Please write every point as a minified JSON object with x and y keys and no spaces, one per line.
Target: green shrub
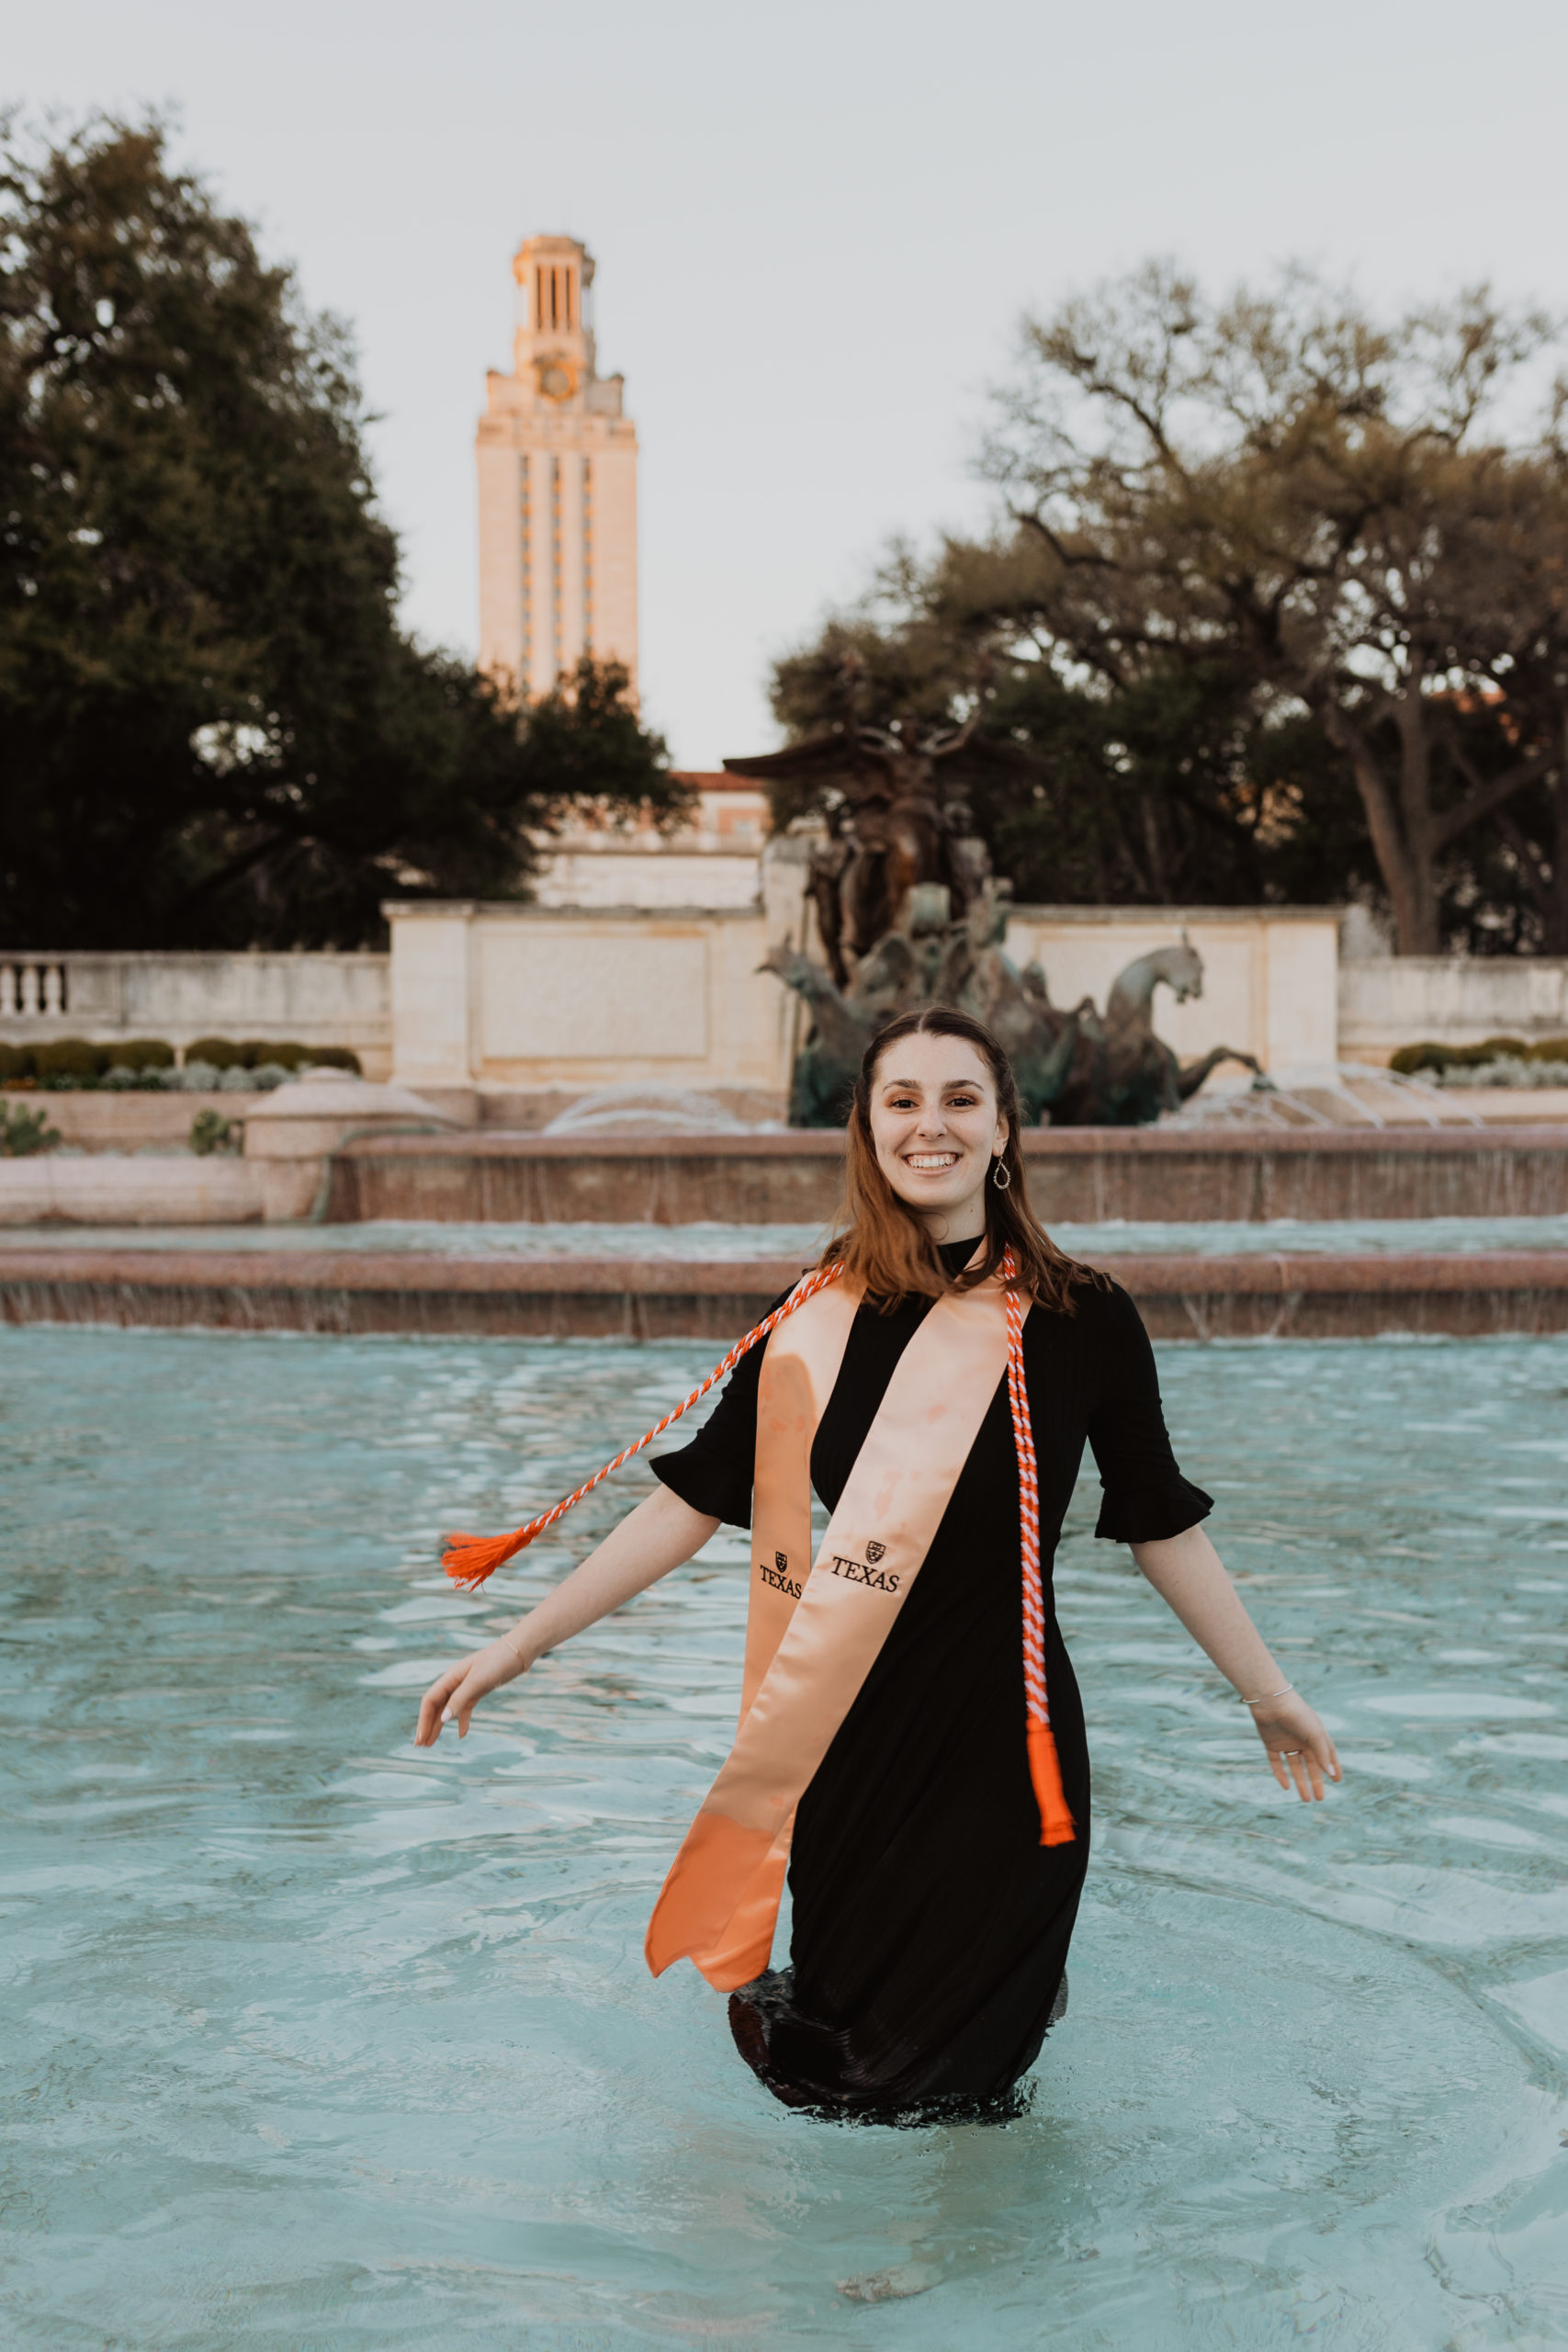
{"x":23,"y":1132}
{"x":141,"y":1053}
{"x":221,"y":1053}
{"x":210,"y":1132}
{"x":1410,"y":1059}
{"x":16,"y":1061}
{"x":283,"y":1054}
{"x":71,"y":1059}
{"x":1550,"y":1049}
{"x":250,"y":1053}
{"x":1497,"y":1050}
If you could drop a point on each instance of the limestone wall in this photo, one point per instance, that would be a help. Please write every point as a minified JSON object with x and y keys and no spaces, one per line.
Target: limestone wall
{"x":1268,"y":973}
{"x":568,"y":998}
{"x":509,"y":1000}
{"x":1386,"y":1002}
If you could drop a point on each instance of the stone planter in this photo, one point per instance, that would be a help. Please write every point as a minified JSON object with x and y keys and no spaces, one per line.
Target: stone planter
{"x":97,"y":1119}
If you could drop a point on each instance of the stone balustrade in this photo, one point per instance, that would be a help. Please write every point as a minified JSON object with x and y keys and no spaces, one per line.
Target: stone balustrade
{"x":33,"y":988}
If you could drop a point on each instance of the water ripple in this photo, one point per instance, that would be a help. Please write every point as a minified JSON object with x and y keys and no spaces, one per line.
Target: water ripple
{"x":313,"y":2040}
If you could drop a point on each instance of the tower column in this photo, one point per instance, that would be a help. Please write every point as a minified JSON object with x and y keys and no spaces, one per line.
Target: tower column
{"x":558,"y":487}
{"x":569,"y":575}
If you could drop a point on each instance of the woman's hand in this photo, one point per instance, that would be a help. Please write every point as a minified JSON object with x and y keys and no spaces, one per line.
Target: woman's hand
{"x":1300,"y":1750}
{"x":454,"y":1695}
{"x":1187,"y":1573}
{"x":657,"y":1536}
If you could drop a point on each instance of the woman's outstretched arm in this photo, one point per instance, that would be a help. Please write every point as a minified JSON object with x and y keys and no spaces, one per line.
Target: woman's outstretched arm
{"x":657,"y":1536}
{"x":1188,"y":1574}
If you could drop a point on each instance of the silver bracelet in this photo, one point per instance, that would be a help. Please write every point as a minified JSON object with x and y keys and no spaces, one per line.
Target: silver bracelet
{"x":1268,"y":1695}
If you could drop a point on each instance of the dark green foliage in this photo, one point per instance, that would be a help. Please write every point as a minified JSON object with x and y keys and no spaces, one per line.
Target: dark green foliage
{"x":221,"y":1052}
{"x":72,"y":1058}
{"x":17,"y":1062}
{"x":1181,"y":786}
{"x":23,"y":1132}
{"x":224,"y":1054}
{"x":1431,"y":1056}
{"x":210,"y":1132}
{"x":1275,"y":604}
{"x":140,"y":1053}
{"x":216,"y":734}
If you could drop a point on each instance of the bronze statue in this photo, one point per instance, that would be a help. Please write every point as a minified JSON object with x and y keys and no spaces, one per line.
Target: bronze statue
{"x":895,"y":820}
{"x":910,"y":913}
{"x":1073,"y":1069}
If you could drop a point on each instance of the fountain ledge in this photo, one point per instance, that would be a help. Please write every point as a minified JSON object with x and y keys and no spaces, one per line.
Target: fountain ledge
{"x":1185,"y":1296}
{"x":1078,"y":1175}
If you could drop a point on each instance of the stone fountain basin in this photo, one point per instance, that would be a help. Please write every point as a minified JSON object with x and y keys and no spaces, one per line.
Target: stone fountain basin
{"x":1077,"y":1175}
{"x":1182,"y":1295}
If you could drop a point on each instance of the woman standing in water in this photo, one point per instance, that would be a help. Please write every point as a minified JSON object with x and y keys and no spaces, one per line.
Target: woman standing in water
{"x":911,"y":1740}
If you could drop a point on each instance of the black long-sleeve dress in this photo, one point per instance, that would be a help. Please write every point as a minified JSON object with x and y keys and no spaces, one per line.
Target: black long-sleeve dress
{"x":930,"y":1927}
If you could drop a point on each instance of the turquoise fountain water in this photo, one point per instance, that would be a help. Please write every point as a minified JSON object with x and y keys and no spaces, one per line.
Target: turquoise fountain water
{"x":314,"y":2040}
{"x":711,"y":1242}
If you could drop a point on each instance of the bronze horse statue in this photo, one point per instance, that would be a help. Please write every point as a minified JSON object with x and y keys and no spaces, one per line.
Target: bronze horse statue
{"x":1124,"y":1076}
{"x":1072,"y":1068}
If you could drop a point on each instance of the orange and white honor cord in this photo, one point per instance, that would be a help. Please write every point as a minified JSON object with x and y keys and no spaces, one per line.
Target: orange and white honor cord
{"x":1044,"y":1768}
{"x":470,"y":1559}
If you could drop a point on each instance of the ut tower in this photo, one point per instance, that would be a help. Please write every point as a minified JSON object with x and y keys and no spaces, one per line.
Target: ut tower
{"x":558,"y":487}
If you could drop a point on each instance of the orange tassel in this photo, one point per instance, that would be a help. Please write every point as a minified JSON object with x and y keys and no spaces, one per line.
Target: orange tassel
{"x":468,"y":1559}
{"x":1056,"y":1826}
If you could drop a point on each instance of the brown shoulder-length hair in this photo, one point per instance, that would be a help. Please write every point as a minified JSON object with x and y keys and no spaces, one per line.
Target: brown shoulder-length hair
{"x":885,"y":1245}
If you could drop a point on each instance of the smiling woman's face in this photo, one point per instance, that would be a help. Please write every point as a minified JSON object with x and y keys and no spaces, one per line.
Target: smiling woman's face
{"x":936,"y":1127}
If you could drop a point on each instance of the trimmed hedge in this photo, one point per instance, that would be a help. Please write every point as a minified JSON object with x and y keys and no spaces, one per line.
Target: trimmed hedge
{"x":221,"y":1052}
{"x":1432,"y":1056}
{"x":224,"y":1053}
{"x":68,"y":1062}
{"x":141,"y":1053}
{"x":72,"y":1057}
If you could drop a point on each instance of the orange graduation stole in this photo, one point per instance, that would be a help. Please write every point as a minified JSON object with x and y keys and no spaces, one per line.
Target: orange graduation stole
{"x":814,"y":1631}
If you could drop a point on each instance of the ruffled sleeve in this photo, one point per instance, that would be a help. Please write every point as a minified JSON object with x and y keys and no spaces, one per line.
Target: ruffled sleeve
{"x":1145,"y":1496}
{"x":713,"y":1474}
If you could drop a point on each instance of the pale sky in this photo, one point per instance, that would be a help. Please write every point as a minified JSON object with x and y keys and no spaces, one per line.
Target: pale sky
{"x":815,"y":226}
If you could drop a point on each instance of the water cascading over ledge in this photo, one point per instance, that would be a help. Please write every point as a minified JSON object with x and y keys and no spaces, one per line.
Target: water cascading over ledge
{"x":1079,"y":1176}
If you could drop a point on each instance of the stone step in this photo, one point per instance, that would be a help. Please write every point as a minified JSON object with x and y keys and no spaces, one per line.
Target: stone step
{"x":1182,"y":1297}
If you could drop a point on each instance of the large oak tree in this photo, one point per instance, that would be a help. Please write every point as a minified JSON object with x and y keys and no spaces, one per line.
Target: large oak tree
{"x":213,"y":730}
{"x":1335,"y":505}
{"x":1275,"y":603}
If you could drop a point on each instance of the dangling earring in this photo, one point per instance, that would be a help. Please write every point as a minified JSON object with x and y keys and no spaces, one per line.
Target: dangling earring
{"x":1001,"y":1176}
